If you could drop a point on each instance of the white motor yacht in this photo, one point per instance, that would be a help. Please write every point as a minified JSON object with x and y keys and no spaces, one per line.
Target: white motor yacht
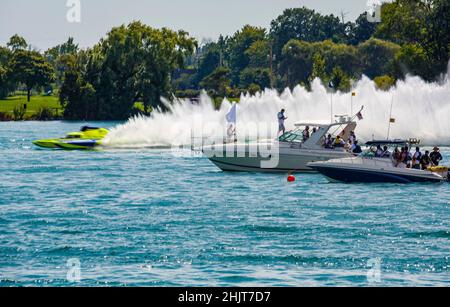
{"x":370,"y":168}
{"x":288,"y":153}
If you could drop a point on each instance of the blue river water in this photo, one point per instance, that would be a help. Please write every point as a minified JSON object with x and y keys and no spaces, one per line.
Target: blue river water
{"x":151,"y":218}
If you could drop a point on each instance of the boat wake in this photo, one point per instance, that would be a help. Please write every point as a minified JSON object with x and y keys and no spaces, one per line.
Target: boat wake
{"x":420,"y":109}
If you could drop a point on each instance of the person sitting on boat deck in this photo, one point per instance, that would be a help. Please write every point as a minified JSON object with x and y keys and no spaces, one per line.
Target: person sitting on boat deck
{"x":357,"y":149}
{"x":416,"y":158}
{"x":281,"y":119}
{"x":339,"y":142}
{"x":352,"y":137}
{"x":405,"y":158}
{"x":386,"y":152}
{"x":425,"y":160}
{"x":436,"y":156}
{"x":328,"y":143}
{"x":397,"y":157}
{"x":306,"y":134}
{"x":352,"y":145}
{"x":409,"y":157}
{"x":379,"y":152}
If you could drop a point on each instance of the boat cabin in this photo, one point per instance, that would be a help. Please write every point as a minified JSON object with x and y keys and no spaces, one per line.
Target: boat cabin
{"x":318,"y":131}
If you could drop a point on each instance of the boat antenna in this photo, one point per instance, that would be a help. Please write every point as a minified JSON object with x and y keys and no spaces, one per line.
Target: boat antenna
{"x":391,"y":120}
{"x":351,"y":119}
{"x":331,"y":86}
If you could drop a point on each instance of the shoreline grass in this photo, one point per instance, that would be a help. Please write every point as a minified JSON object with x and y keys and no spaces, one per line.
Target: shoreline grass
{"x":37,"y":102}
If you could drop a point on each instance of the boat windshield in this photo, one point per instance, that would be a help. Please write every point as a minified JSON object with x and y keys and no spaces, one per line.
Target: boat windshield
{"x":383,"y":151}
{"x":292,"y":136}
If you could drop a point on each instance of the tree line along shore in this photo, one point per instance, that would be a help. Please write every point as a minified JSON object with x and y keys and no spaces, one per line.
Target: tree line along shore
{"x":134,"y":65}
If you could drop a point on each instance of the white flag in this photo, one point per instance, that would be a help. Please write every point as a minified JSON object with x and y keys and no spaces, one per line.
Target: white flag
{"x":231,"y":119}
{"x":231,"y":116}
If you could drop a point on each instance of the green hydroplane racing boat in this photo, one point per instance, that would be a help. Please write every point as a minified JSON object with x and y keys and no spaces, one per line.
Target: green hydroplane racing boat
{"x":87,"y":138}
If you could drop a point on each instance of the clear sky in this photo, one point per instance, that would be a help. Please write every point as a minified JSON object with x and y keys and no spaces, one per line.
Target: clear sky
{"x":43,"y":23}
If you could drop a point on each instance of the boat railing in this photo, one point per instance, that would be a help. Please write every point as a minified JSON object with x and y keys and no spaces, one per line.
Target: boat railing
{"x":360,"y":160}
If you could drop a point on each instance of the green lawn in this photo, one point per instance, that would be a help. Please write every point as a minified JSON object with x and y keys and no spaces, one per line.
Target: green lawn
{"x":39,"y":101}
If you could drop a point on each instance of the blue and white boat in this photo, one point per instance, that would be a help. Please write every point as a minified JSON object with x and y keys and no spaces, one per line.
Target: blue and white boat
{"x":369,"y":168}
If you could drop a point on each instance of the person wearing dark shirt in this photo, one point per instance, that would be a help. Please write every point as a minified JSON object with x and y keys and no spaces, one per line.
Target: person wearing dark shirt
{"x":357,"y":149}
{"x":436,"y":156}
{"x":425,"y":160}
{"x":306,"y":134}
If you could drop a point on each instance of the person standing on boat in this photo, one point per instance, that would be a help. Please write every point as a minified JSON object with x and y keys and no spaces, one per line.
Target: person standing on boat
{"x":436,"y":156}
{"x":352,"y":137}
{"x":306,"y":134}
{"x":416,"y":159}
{"x":425,"y":160}
{"x":281,"y":119}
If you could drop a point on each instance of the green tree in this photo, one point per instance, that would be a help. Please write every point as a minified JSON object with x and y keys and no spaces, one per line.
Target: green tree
{"x":209,"y":60}
{"x":377,"y":57}
{"x":253,"y":88}
{"x":342,"y":55}
{"x":306,"y":25}
{"x":76,"y":95}
{"x":424,"y":24}
{"x":55,"y":57}
{"x":255,"y":76}
{"x":132,"y":63}
{"x":296,"y":65}
{"x":361,"y":30}
{"x":412,"y":59}
{"x":17,"y":42}
{"x":340,"y":80}
{"x":259,"y":54}
{"x":384,"y":82}
{"x":318,"y":68}
{"x":3,"y":80}
{"x":164,"y":52}
{"x":237,"y":46}
{"x":31,"y":69}
{"x":218,"y":82}
{"x":437,"y":41}
{"x":5,"y":83}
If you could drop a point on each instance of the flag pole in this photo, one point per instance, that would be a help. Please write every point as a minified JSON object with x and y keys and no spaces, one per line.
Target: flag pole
{"x":353,"y":94}
{"x":351,"y":102}
{"x":390,"y":118}
{"x":331,"y":105}
{"x":331,"y":86}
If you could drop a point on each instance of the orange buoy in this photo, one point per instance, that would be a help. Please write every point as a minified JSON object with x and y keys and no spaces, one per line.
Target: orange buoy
{"x":291,"y":178}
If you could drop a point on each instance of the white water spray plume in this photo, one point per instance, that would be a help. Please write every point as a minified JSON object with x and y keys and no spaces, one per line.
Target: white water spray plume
{"x":421,"y":110}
